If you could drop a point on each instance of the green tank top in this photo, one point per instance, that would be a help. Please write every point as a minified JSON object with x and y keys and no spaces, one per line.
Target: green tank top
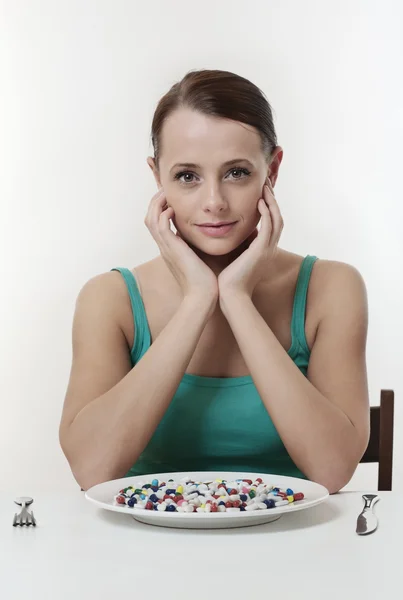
{"x":218,"y":423}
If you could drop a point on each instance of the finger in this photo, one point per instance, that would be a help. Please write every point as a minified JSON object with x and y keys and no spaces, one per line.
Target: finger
{"x":276,"y":217}
{"x":164,"y":223}
{"x":157,"y":205}
{"x":266,"y":227}
{"x":158,"y":197}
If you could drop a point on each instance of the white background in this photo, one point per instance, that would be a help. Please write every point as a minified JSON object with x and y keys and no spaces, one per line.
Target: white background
{"x":80,"y":80}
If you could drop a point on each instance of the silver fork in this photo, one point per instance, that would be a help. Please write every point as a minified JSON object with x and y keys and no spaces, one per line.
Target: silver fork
{"x":24,"y":517}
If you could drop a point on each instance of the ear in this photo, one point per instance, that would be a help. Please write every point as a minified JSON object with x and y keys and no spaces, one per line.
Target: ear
{"x":274,"y":164}
{"x":153,"y":167}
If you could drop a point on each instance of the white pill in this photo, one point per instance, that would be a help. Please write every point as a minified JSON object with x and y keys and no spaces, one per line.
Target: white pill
{"x":169,"y":501}
{"x":233,"y":509}
{"x":251,"y":507}
{"x":188,"y":508}
{"x":281,"y":502}
{"x":160,"y":494}
{"x":180,"y":509}
{"x":261,"y":505}
{"x":221,"y":508}
{"x":199,"y":509}
{"x":207,"y":508}
{"x":161,"y":507}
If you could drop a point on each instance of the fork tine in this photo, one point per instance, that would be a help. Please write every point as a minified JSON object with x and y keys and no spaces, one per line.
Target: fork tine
{"x":15,"y":520}
{"x":33,"y":519}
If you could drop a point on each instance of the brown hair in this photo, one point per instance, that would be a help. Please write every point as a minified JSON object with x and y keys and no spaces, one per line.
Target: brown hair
{"x":219,"y":94}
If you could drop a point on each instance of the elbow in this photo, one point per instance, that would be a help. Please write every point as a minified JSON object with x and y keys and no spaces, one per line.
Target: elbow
{"x":336,"y":479}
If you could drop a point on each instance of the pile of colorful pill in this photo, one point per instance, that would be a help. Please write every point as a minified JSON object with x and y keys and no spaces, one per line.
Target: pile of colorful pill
{"x":187,"y":496}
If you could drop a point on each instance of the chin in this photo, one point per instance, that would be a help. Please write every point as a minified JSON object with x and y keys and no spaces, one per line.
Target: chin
{"x":216,"y":246}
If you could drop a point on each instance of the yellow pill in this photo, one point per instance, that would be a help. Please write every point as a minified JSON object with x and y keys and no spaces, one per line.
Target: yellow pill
{"x":218,"y":480}
{"x":179,"y":489}
{"x":290,"y":498}
{"x":202,"y":506}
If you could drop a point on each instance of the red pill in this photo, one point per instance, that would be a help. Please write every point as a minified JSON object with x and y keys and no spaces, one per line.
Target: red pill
{"x":233,"y":492}
{"x":237,"y":503}
{"x":298,"y":496}
{"x":166,"y":496}
{"x":216,"y":496}
{"x":214,"y":508}
{"x":229,"y":504}
{"x":120,"y":500}
{"x":259,"y":480}
{"x":249,"y":481}
{"x":178,"y":497}
{"x":149,"y":505}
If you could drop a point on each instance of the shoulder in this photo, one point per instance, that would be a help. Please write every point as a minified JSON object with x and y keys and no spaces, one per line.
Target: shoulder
{"x":338,"y":287}
{"x":104,"y":289}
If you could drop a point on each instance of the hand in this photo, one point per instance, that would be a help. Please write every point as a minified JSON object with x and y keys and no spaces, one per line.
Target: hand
{"x":194,"y":277}
{"x":242,"y":275}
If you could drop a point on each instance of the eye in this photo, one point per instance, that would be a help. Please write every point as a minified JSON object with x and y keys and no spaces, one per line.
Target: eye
{"x":240,"y":170}
{"x":179,"y":176}
{"x":240,"y":173}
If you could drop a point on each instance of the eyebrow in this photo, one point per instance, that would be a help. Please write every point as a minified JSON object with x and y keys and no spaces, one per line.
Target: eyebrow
{"x":226,"y":164}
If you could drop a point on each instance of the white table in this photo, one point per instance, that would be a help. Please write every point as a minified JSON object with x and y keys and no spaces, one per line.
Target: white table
{"x":79,"y":551}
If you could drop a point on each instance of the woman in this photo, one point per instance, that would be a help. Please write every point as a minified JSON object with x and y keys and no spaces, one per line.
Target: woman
{"x":225,"y":352}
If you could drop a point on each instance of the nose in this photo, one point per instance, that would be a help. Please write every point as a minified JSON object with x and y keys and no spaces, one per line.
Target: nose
{"x":214,"y":201}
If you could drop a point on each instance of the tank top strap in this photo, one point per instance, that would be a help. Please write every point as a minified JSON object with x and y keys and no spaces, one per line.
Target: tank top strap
{"x":142,"y":336}
{"x":300,"y":298}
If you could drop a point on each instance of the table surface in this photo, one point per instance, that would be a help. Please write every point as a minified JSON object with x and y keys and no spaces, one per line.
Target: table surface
{"x":81,"y":551}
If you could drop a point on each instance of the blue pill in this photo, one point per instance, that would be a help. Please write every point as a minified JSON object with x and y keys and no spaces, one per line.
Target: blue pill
{"x":155,"y":507}
{"x":154,"y":482}
{"x":142,"y":496}
{"x":170,"y":508}
{"x":132,"y":501}
{"x":221,"y":503}
{"x":243,"y":497}
{"x":242,"y":508}
{"x":270,"y":503}
{"x":290,"y":492}
{"x":154,"y":498}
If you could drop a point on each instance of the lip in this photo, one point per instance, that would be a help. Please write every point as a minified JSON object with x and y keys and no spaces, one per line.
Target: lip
{"x":216,"y":229}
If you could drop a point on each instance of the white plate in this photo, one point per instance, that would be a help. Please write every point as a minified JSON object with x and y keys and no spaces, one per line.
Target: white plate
{"x":103,"y":496}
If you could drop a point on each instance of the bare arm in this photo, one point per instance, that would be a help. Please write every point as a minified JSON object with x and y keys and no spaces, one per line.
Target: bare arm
{"x":111,"y":410}
{"x":323,"y":419}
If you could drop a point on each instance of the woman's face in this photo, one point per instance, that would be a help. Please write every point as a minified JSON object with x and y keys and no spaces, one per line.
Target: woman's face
{"x":213,"y":171}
